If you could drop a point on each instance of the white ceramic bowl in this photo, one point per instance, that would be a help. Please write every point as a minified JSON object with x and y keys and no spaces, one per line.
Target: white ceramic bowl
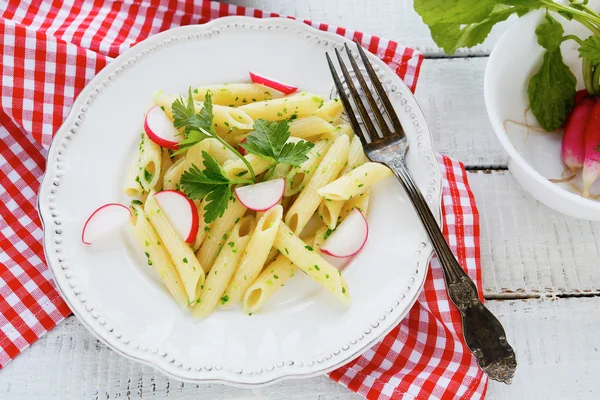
{"x":534,"y":156}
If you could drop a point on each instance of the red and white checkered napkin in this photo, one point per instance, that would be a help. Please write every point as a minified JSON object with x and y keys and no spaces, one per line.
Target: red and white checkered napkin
{"x":50,"y":51}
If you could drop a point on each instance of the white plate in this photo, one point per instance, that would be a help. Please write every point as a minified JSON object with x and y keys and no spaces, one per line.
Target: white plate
{"x":534,"y":156}
{"x":302,"y":331}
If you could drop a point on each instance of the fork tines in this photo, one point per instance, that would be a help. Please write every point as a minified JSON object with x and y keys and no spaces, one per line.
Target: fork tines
{"x":372,"y":133}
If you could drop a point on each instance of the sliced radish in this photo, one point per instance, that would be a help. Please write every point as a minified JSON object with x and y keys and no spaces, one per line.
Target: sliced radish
{"x":261,"y":196}
{"x":349,"y":238}
{"x":281,"y":87}
{"x":180,"y":211}
{"x":104,"y":220}
{"x":240,"y":149}
{"x":160,"y":129}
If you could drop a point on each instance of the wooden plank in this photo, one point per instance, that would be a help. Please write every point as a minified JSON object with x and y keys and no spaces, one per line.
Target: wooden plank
{"x":391,"y":19}
{"x":557,"y":346}
{"x":450,"y":92}
{"x":528,"y":248}
{"x":555,"y":340}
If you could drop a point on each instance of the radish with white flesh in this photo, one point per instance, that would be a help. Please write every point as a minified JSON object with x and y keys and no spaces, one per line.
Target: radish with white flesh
{"x":281,"y":87}
{"x":160,"y":129}
{"x":181,"y":213}
{"x":349,"y":238}
{"x":591,"y":165}
{"x":261,"y":196}
{"x":573,"y":140}
{"x":104,"y":220}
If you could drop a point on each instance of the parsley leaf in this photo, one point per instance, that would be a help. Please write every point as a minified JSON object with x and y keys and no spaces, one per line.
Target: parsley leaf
{"x":196,"y":126}
{"x":210,"y":184}
{"x":268,"y":140}
{"x":552,"y":91}
{"x":550,"y":33}
{"x":590,"y":48}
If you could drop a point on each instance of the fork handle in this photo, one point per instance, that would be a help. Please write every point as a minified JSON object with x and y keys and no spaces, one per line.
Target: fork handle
{"x":483,"y":333}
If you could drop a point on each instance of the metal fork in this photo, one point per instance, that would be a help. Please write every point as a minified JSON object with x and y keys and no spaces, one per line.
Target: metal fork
{"x":483,"y":333}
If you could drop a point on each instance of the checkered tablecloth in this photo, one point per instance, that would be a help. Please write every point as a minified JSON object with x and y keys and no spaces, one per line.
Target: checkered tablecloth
{"x":50,"y":50}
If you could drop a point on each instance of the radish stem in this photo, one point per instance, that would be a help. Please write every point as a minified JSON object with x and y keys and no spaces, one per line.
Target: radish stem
{"x":587,"y":75}
{"x":572,"y":37}
{"x":595,"y":77}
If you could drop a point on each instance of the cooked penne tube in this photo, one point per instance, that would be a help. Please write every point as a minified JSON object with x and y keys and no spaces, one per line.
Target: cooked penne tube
{"x":329,"y":210}
{"x":236,"y":94}
{"x":203,"y":227}
{"x":311,"y":263}
{"x":192,"y":157}
{"x":146,"y":169}
{"x":229,"y":120}
{"x":236,"y":168}
{"x":295,"y":106}
{"x":321,"y":234}
{"x":224,"y":267}
{"x":345,"y":129}
{"x":190,"y":270}
{"x":255,"y":255}
{"x":157,"y":255}
{"x":355,"y":182}
{"x":217,"y":234}
{"x":297,"y":177}
{"x":219,"y":152}
{"x":361,"y":202}
{"x":172,"y":175}
{"x":165,"y":163}
{"x":133,"y":187}
{"x":331,"y":111}
{"x":309,"y":127}
{"x":226,"y":120}
{"x":308,"y":201}
{"x":274,"y":276}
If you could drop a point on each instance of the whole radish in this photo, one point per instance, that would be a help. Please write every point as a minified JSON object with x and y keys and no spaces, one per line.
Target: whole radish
{"x":573,"y":140}
{"x":580,"y":96}
{"x":591,"y":165}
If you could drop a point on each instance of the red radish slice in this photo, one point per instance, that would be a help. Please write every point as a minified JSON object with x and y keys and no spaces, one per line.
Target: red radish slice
{"x":180,"y":211}
{"x":261,"y":196}
{"x":240,"y":149}
{"x":160,"y":129}
{"x":104,"y":220}
{"x":281,"y":87}
{"x":349,"y":238}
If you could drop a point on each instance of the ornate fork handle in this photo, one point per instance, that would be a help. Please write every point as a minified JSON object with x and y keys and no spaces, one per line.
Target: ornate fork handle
{"x":482,"y":332}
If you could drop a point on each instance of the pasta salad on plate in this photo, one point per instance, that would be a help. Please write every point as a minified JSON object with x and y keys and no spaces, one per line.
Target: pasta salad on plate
{"x":238,"y":187}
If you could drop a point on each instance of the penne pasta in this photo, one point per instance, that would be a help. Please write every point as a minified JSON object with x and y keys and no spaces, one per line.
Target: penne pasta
{"x":274,"y":276}
{"x":203,"y":227}
{"x":308,"y":201}
{"x":255,"y":255}
{"x":329,"y":210}
{"x":165,"y":164}
{"x":229,"y":120}
{"x":219,"y":152}
{"x":192,"y":157}
{"x":355,"y":182}
{"x":331,"y":111}
{"x":236,"y":94}
{"x":145,"y":172}
{"x":172,"y":175}
{"x":217,"y":234}
{"x":361,"y":202}
{"x":345,"y":129}
{"x":224,"y":267}
{"x":309,"y":127}
{"x":298,"y":177}
{"x":133,"y":187}
{"x":311,"y":263}
{"x":290,"y":107}
{"x":236,"y":168}
{"x":157,"y":255}
{"x":190,"y":270}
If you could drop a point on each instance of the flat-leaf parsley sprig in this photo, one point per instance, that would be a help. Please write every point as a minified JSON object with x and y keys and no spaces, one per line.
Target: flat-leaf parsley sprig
{"x":270,"y":140}
{"x":211,"y":184}
{"x":199,"y":126}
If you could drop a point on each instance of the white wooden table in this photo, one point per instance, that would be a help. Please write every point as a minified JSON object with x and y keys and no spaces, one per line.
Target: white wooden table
{"x":541,"y":272}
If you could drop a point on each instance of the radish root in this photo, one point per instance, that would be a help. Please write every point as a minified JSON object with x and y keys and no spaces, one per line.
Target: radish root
{"x":577,"y":189}
{"x":529,"y":127}
{"x":565,"y":177}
